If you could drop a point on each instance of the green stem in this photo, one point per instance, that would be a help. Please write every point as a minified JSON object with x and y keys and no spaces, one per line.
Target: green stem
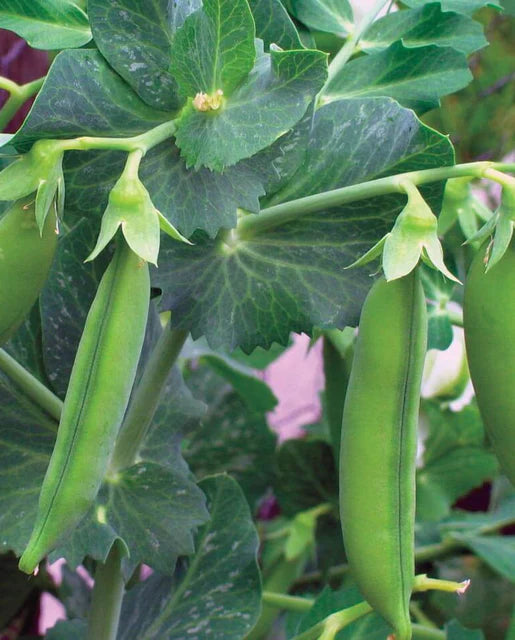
{"x":426,"y":633}
{"x":286,"y":602}
{"x":342,"y":57}
{"x":335,"y":622}
{"x":146,"y":398}
{"x":107,"y":598}
{"x":456,"y":317}
{"x":499,"y":177}
{"x":420,"y":616}
{"x":292,"y":210}
{"x":19,"y":94}
{"x":142,"y":142}
{"x":31,"y":385}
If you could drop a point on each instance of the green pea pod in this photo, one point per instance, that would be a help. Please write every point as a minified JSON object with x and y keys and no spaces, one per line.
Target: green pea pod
{"x":25,"y":259}
{"x":100,"y":384}
{"x":489,"y":321}
{"x":378,"y":448}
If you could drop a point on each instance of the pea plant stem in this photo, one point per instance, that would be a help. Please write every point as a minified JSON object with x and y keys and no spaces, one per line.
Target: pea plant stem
{"x":107,"y":597}
{"x":342,"y":57}
{"x":427,"y":633}
{"x":146,"y":398}
{"x":286,"y":602}
{"x":31,"y":385}
{"x":284,"y":212}
{"x":18,"y":95}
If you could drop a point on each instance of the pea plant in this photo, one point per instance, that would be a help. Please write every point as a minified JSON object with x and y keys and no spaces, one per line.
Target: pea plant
{"x":196,"y":181}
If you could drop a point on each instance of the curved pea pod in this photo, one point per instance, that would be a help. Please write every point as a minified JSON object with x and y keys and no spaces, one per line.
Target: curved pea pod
{"x":489,"y":321}
{"x":25,"y":260}
{"x":378,"y":447}
{"x":98,"y":393}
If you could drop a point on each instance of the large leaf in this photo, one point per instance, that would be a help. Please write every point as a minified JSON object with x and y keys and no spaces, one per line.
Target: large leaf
{"x":496,"y":551}
{"x":462,"y":6}
{"x":230,"y":438}
{"x":214,"y":48}
{"x":416,"y":77}
{"x":46,"y":24}
{"x":135,"y":37}
{"x":274,"y":25}
{"x":291,"y":278}
{"x":27,"y":435}
{"x":217,"y":595}
{"x":272,"y":99}
{"x":333,"y":16}
{"x":82,"y":95}
{"x":425,"y":26}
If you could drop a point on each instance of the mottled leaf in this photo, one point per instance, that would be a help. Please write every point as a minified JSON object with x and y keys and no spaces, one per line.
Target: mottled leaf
{"x":272,"y":99}
{"x":217,"y":594}
{"x":81,"y":96}
{"x":425,"y":26}
{"x":290,"y":278}
{"x":333,"y":16}
{"x":415,"y":77}
{"x":46,"y":24}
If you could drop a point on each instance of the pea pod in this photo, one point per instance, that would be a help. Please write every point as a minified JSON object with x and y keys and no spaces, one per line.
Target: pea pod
{"x":489,"y":321}
{"x":25,"y":259}
{"x":97,"y":396}
{"x":378,"y":448}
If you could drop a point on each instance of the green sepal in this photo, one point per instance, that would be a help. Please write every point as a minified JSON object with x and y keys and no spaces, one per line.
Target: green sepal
{"x":50,"y":190}
{"x":24,"y":176}
{"x":130,"y":208}
{"x":168,"y":228}
{"x":370,"y":255}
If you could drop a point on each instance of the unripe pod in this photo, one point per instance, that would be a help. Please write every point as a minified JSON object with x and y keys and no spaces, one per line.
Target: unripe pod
{"x":378,"y":447}
{"x":97,"y":397}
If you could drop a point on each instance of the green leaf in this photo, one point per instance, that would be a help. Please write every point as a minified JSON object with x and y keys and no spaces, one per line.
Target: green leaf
{"x":266,"y":105}
{"x":455,"y":631}
{"x":371,"y":627}
{"x":68,"y":630}
{"x":291,"y":278}
{"x":217,"y":594}
{"x":332,"y":16}
{"x":214,"y":48}
{"x":438,"y":292}
{"x":253,"y":391}
{"x":46,"y":24}
{"x":135,"y":37}
{"x":425,"y":26}
{"x":230,"y":438}
{"x":497,"y":551}
{"x":416,"y":77}
{"x":82,"y":95}
{"x":462,"y":6}
{"x":27,"y":435}
{"x":306,"y":476}
{"x":274,"y":25}
{"x":189,"y":199}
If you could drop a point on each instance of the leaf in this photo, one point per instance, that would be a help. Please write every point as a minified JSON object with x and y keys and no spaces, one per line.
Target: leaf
{"x":332,"y":16}
{"x":230,"y":438}
{"x":497,"y":551}
{"x":153,"y":509}
{"x":274,"y":25}
{"x":135,"y":37}
{"x":68,"y":630}
{"x":27,"y":434}
{"x":371,"y":627}
{"x":81,"y":96}
{"x":290,"y":278}
{"x":416,"y":77}
{"x":271,"y":100}
{"x":425,"y":26}
{"x":214,"y":48}
{"x":438,"y":292}
{"x":306,"y":476}
{"x":462,"y":6}
{"x":46,"y":24}
{"x":217,"y":595}
{"x":455,"y":631}
{"x":253,"y":391}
